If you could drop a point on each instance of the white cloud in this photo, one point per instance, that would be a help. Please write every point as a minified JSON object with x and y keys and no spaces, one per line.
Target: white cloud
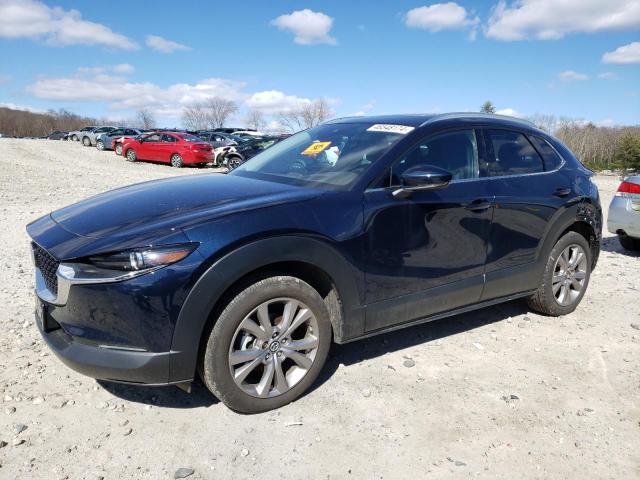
{"x":441,"y":16}
{"x":55,"y":26}
{"x":275,"y":101}
{"x":624,"y":55}
{"x":123,"y":68}
{"x":162,"y":45}
{"x":309,"y":27}
{"x":553,"y":19}
{"x":15,"y":106}
{"x":510,"y":112}
{"x":571,"y":76}
{"x":98,"y":85}
{"x":607,"y":76}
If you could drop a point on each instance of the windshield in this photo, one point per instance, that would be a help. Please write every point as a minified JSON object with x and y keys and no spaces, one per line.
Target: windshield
{"x":333,"y":154}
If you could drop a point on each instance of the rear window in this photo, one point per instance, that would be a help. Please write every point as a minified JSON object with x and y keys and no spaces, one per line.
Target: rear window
{"x":551,"y":158}
{"x":190,"y":138}
{"x":510,"y":153}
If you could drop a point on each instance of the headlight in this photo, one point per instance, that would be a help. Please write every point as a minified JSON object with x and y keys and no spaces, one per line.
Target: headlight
{"x":114,"y":267}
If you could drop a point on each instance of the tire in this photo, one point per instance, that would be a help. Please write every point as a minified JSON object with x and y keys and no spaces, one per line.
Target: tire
{"x":131,"y":155}
{"x":74,"y":138}
{"x":176,"y":161}
{"x":629,"y":243}
{"x":234,"y":161}
{"x":558,"y":293}
{"x":86,"y":142}
{"x":228,"y":337}
{"x":100,"y":145}
{"x":118,"y":149}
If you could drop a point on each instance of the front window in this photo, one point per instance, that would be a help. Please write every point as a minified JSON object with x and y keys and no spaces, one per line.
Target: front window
{"x":334,"y":154}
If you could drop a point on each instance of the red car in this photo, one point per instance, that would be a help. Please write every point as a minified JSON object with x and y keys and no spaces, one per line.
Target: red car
{"x":176,"y":148}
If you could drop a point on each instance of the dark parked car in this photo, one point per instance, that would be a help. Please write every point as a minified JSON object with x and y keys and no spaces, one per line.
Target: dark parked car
{"x":249,"y":148}
{"x":222,"y":143}
{"x":113,"y":139}
{"x":353,"y":228}
{"x":58,"y":135}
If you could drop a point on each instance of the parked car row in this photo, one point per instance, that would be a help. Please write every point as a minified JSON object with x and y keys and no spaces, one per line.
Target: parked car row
{"x":222,"y":147}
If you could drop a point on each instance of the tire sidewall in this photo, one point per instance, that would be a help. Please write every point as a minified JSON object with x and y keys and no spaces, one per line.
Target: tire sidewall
{"x":215,"y":367}
{"x":571,"y":238}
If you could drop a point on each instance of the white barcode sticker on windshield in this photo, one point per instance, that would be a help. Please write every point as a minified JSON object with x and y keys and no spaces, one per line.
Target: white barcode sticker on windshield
{"x":385,"y":127}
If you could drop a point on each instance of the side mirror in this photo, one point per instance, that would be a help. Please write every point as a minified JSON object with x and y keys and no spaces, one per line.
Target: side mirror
{"x":422,"y":178}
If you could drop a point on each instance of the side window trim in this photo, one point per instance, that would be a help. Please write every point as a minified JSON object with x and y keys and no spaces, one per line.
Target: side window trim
{"x":544,"y":163}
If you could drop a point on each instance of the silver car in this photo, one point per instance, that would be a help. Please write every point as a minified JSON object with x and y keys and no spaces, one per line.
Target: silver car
{"x":88,"y":139}
{"x":624,"y":213}
{"x":77,"y":134}
{"x":105,"y":141}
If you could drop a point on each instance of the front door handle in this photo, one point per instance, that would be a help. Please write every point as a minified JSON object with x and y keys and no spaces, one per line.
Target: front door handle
{"x":479,"y":205}
{"x":562,"y":192}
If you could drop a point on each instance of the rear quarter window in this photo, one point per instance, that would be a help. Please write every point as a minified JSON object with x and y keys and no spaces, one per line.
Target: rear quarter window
{"x":551,"y":159}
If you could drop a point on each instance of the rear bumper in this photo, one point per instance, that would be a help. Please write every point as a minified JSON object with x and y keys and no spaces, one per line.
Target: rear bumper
{"x":624,"y":215}
{"x":199,"y":157}
{"x":104,"y":363}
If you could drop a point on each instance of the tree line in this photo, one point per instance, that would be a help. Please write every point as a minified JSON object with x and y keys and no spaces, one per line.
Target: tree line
{"x":597,"y":147}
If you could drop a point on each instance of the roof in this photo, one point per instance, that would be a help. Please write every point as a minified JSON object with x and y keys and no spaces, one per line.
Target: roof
{"x":418,"y":120}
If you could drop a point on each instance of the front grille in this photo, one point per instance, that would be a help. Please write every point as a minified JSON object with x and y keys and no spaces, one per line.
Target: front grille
{"x":48,"y":267}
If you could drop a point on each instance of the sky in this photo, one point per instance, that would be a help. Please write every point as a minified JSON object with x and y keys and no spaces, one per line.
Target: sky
{"x":571,"y":58}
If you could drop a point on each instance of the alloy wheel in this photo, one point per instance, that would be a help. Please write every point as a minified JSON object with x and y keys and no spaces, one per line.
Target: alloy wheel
{"x":569,"y":275}
{"x":274,"y":347}
{"x":118,"y":149}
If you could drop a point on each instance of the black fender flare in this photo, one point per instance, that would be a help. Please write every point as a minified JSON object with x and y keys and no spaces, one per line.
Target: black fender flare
{"x":228,"y":269}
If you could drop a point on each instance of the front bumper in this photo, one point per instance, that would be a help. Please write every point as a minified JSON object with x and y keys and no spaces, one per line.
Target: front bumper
{"x":624,"y":215}
{"x":102,"y":362}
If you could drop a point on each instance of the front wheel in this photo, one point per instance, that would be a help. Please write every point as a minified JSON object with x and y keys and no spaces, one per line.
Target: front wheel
{"x":233,"y":162}
{"x":268,"y":345}
{"x":566,"y":277}
{"x":74,"y":138}
{"x":176,"y":161}
{"x":118,"y":149}
{"x":629,"y":243}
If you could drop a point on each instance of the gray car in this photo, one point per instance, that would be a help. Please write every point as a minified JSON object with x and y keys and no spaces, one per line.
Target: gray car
{"x":77,"y":134}
{"x":89,"y":138}
{"x":104,"y":141}
{"x":624,"y":213}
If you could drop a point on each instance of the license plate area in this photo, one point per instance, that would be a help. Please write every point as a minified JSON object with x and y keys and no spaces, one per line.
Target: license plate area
{"x":43,"y":317}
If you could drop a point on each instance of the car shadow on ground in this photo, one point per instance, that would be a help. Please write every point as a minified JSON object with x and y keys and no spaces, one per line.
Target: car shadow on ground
{"x":347,"y":354}
{"x":164,"y":397}
{"x":612,"y":245}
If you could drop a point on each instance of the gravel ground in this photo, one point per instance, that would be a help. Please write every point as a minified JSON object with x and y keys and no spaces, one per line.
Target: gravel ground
{"x":497,"y":393}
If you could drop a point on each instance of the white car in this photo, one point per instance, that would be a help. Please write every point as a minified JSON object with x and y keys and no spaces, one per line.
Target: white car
{"x":624,"y":213}
{"x":248,"y":133}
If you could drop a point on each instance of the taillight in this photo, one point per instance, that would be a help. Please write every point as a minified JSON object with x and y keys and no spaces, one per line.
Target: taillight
{"x":628,"y":187}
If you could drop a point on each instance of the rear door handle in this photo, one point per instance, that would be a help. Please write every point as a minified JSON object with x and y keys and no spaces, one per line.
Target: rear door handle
{"x":479,"y":205}
{"x":562,"y":192}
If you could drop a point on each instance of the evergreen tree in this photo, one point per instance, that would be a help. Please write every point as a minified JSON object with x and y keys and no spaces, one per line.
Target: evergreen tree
{"x":488,"y":107}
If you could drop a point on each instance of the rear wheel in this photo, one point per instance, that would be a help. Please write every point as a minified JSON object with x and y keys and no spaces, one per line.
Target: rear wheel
{"x":268,"y":345}
{"x":566,"y":277}
{"x":100,"y":145}
{"x":176,"y":161}
{"x":629,"y":243}
{"x":86,"y":142}
{"x":74,"y":138}
{"x":131,"y":155}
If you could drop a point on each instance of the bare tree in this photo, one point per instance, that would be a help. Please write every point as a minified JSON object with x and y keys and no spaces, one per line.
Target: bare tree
{"x":195,"y":117}
{"x":144,"y":118}
{"x":307,"y":115}
{"x":255,"y":120}
{"x":219,"y":110}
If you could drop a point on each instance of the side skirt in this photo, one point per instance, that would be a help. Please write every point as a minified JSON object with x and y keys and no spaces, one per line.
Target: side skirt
{"x":438,"y":316}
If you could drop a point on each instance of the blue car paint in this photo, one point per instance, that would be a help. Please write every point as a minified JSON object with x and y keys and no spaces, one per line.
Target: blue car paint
{"x":396,"y":260}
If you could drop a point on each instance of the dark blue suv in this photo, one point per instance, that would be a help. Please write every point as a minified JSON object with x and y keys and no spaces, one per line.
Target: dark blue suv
{"x":353,"y":228}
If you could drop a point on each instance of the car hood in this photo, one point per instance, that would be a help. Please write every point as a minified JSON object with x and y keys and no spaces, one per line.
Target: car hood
{"x":169,"y":204}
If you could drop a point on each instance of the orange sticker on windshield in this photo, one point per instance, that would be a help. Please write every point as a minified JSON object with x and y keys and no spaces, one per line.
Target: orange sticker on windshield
{"x":315,"y":148}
